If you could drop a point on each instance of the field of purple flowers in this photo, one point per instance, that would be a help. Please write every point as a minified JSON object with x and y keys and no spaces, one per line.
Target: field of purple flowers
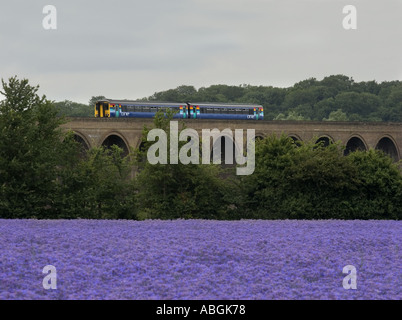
{"x":200,"y":259}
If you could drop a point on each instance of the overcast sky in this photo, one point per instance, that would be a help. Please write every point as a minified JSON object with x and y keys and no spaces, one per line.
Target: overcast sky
{"x":129,"y":49}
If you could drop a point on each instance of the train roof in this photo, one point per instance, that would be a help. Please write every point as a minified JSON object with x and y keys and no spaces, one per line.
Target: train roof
{"x":142,"y":103}
{"x":175,"y":104}
{"x":225,"y":105}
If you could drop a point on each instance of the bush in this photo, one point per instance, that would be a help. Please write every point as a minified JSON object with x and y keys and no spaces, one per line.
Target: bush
{"x":308,"y":181}
{"x":171,"y":191}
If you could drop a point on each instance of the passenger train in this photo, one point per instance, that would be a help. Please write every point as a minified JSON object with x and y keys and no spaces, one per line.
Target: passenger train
{"x":142,"y":109}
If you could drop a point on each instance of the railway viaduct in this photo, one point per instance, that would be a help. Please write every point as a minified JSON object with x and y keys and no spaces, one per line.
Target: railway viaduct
{"x":126,"y":132}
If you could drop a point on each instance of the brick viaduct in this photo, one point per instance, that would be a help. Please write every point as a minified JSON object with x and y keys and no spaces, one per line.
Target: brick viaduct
{"x":92,"y":132}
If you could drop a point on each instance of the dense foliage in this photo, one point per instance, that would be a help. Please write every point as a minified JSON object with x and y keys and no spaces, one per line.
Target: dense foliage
{"x":74,"y":109}
{"x":167,"y":191}
{"x":30,"y":151}
{"x":335,"y":98}
{"x":310,"y":181}
{"x":45,"y":174}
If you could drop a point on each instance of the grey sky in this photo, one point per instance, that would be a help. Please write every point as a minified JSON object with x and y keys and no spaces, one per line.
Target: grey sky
{"x":130,"y":49}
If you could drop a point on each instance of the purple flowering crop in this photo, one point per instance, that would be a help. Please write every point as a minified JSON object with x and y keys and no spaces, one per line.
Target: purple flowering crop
{"x":200,"y":259}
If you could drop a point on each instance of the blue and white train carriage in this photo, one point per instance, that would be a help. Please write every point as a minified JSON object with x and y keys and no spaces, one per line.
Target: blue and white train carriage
{"x":146,"y":109}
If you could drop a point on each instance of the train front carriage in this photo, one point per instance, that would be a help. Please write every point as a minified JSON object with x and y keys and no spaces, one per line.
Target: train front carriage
{"x":102,"y":109}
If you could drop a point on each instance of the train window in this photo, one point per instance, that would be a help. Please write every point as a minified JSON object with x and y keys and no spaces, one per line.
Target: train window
{"x":251,"y":111}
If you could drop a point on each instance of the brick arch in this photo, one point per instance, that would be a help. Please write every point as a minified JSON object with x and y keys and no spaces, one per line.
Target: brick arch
{"x":388,"y":145}
{"x":140,"y":145}
{"x":295,"y":137}
{"x":81,"y":138}
{"x":259,"y":135}
{"x":327,"y":139}
{"x":354,"y":143}
{"x":115,"y":138}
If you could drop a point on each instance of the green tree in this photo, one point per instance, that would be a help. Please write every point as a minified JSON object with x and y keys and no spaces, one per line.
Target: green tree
{"x":298,"y":181}
{"x":31,"y":151}
{"x":323,"y":108}
{"x":337,"y":83}
{"x":73,"y":109}
{"x":94,"y":99}
{"x":361,"y":104}
{"x":98,"y":186}
{"x":292,"y":115}
{"x":170,"y":191}
{"x":337,"y":115}
{"x":379,"y":186}
{"x":310,"y":181}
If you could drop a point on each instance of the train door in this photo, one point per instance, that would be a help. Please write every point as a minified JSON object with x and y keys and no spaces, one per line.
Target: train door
{"x":191,"y":112}
{"x":183,"y":112}
{"x":97,"y":109}
{"x":106,"y":111}
{"x":255,"y":114}
{"x":261,"y":111}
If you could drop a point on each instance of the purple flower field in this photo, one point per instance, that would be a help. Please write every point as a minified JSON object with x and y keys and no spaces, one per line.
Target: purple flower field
{"x":200,"y":259}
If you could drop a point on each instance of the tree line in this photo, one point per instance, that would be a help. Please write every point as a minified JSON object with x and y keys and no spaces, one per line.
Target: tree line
{"x":45,"y":174}
{"x":334,"y":98}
